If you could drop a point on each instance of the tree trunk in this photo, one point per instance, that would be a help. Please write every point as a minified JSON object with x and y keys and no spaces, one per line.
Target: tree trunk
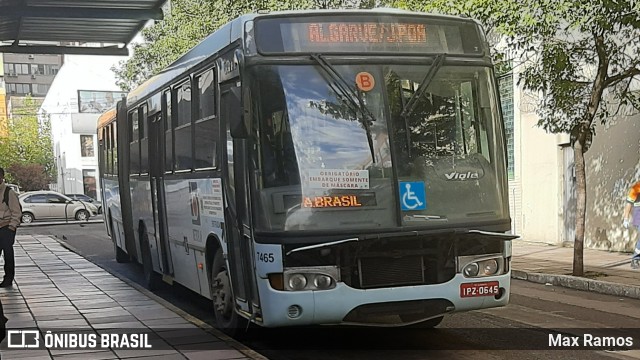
{"x":581,"y":207}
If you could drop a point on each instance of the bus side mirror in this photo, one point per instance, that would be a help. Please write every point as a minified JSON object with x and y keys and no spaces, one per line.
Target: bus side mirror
{"x":237,"y":121}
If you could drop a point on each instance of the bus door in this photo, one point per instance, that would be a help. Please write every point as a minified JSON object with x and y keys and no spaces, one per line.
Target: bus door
{"x":156,"y":172}
{"x":123,"y":178}
{"x":238,"y":221}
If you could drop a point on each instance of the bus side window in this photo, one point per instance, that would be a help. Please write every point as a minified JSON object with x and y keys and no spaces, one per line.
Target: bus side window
{"x":144,"y":139}
{"x":108,"y":154}
{"x":168,"y":133}
{"x":114,"y":146}
{"x":182,"y":131}
{"x":102,"y":146}
{"x":134,"y":143}
{"x":207,"y":125}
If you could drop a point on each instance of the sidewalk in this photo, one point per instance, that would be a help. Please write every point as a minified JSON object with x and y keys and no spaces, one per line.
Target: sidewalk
{"x":605,"y":272}
{"x":59,"y":290}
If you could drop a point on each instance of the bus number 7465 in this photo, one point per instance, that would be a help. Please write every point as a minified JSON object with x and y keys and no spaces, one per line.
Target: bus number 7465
{"x":265,"y":257}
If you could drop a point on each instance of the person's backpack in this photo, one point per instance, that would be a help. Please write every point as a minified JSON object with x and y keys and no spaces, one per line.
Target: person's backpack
{"x":5,"y":198}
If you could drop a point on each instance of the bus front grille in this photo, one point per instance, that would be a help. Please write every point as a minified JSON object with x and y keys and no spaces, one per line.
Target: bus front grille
{"x":396,"y":261}
{"x":382,"y":271}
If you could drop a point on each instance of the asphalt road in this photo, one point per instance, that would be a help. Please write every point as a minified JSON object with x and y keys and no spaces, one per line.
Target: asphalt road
{"x":519,"y":330}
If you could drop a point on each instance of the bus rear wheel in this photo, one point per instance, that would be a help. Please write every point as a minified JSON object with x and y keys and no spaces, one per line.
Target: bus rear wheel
{"x":226,"y":317}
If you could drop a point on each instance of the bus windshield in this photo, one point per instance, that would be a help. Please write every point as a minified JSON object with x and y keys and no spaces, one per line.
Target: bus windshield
{"x":331,"y":157}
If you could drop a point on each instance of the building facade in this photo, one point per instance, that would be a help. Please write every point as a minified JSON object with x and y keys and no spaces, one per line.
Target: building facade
{"x":542,"y":190}
{"x":29,"y":74}
{"x":83,"y":89}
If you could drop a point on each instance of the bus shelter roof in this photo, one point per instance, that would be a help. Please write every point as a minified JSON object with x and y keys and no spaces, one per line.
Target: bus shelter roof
{"x":89,"y":27}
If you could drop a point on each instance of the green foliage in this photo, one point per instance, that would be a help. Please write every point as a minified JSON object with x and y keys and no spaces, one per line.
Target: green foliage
{"x":187,"y":22}
{"x":28,"y":141}
{"x":587,"y":52}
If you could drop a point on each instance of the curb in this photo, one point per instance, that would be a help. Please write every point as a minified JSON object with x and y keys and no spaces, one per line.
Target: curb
{"x":248,"y":352}
{"x":578,"y":283}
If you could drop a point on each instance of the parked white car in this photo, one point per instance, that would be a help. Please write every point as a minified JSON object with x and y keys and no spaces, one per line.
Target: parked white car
{"x":41,"y":205}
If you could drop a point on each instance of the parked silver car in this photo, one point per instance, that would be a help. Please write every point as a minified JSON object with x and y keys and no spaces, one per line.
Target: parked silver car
{"x":53,"y":205}
{"x":87,"y":199}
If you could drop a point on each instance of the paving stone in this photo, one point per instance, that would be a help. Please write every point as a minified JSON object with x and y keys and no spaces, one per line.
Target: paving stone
{"x":72,"y":316}
{"x":168,"y":323}
{"x":119,"y":325}
{"x":176,"y":356}
{"x":94,"y":355}
{"x":147,"y":353}
{"x":62,"y":323}
{"x":25,"y":354}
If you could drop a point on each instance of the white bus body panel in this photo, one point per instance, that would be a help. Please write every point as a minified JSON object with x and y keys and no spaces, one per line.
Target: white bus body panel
{"x":112,"y":210}
{"x":142,"y":213}
{"x":194,"y":213}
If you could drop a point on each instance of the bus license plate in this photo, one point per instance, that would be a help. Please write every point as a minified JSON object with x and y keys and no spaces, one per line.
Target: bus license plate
{"x":490,"y":288}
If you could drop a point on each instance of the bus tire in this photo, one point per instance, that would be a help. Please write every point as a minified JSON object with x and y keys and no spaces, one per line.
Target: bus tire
{"x":121,"y":255}
{"x":150,"y":280}
{"x":227,"y":320}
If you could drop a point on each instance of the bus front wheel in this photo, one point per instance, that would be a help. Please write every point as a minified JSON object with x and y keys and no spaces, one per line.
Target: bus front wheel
{"x":227,"y":319}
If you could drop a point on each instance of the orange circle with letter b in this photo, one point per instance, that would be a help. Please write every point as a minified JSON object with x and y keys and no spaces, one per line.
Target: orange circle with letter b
{"x":365,"y":81}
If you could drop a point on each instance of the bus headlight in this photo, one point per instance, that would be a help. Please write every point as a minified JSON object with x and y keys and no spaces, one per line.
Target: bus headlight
{"x":311,"y":278}
{"x":489,"y":267}
{"x":322,"y":282}
{"x":471,"y":270}
{"x":481,"y":266}
{"x":297,"y":282}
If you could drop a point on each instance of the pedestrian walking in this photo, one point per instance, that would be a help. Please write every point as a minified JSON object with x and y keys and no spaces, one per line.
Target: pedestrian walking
{"x":10,"y":213}
{"x":633,"y":203}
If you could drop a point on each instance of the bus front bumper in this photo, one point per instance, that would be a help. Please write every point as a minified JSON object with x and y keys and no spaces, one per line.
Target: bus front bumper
{"x":375,"y":307}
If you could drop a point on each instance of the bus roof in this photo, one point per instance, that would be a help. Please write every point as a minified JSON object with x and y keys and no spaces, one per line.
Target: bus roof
{"x":106,"y":117}
{"x":232,"y":31}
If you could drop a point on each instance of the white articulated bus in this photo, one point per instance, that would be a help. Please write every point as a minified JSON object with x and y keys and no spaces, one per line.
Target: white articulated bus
{"x":318,"y":167}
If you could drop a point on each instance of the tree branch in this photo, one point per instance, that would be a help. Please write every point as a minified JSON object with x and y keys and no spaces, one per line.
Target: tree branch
{"x":622,"y":95}
{"x":629,"y":73}
{"x":599,"y":84}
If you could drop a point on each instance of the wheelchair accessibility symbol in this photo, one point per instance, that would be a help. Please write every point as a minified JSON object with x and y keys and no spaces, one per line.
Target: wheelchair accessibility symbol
{"x":412,"y":196}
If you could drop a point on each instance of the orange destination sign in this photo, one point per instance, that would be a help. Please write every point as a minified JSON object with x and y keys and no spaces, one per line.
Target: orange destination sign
{"x":330,"y":201}
{"x":339,"y":32}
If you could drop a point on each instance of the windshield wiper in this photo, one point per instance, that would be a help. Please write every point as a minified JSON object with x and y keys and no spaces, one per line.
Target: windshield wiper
{"x":340,"y":85}
{"x":413,"y":100}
